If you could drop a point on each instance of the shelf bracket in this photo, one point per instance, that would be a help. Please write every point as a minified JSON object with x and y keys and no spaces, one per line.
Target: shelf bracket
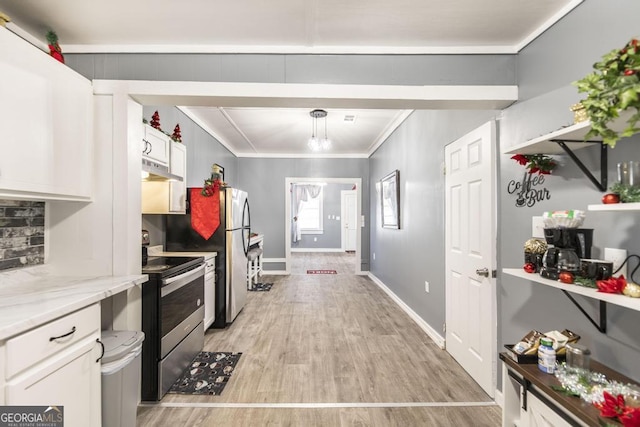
{"x":601,"y":184}
{"x":602,"y":324}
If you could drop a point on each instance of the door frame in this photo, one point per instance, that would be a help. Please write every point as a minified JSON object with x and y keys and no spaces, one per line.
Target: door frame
{"x":288,"y":181}
{"x":343,"y":233}
{"x":490,"y":126}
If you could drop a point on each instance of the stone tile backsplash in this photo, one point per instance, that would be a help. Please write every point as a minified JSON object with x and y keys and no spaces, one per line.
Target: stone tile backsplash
{"x":21,"y":233}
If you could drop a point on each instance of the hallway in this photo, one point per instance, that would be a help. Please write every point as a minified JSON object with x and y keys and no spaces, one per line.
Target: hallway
{"x":329,"y":350}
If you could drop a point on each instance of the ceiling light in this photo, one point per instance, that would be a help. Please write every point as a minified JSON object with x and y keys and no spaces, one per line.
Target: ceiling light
{"x":315,"y":142}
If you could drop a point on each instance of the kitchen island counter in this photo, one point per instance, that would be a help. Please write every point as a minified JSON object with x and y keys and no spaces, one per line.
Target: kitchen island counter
{"x":32,"y":297}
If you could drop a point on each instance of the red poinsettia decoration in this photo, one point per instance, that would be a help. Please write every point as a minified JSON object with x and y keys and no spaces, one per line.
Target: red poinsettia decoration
{"x":539,"y":163}
{"x":613,"y":285}
{"x":210,"y":187}
{"x":615,"y":407}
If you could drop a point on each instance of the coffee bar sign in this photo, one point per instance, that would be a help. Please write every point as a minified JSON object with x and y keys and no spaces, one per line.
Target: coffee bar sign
{"x":529,"y":191}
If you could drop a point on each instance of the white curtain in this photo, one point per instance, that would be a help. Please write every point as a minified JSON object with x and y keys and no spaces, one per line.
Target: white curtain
{"x":301,"y":193}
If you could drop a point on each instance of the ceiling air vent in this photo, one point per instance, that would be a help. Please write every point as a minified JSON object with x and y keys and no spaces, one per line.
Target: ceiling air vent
{"x":350,"y":118}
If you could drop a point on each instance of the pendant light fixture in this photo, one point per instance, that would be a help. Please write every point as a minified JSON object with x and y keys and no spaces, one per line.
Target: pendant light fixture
{"x":315,"y":142}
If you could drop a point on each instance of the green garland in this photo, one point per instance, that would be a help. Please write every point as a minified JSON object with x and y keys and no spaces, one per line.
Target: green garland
{"x":613,"y":87}
{"x":627,"y":193}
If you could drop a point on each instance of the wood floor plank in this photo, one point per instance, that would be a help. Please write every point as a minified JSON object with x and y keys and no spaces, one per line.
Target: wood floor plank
{"x":330,"y":339}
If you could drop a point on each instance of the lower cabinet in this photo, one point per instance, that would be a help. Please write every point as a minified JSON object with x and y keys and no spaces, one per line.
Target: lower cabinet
{"x":66,"y":371}
{"x":540,"y":415}
{"x":209,"y":292}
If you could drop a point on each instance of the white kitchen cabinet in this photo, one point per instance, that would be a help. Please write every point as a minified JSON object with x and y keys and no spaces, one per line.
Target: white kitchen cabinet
{"x":178,"y":189}
{"x":540,"y":415}
{"x":164,"y":196}
{"x":209,"y":291}
{"x":57,"y":364}
{"x":155,"y":146}
{"x":47,"y":139}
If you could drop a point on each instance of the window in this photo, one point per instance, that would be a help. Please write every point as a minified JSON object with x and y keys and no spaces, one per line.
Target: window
{"x":310,"y":215}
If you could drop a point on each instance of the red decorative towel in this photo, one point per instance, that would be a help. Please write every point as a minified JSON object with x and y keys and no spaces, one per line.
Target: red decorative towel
{"x":205,"y":212}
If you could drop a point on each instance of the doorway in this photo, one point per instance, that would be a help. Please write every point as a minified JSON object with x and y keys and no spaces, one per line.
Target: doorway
{"x":289,"y":181}
{"x":470,"y":248}
{"x":348,"y":220}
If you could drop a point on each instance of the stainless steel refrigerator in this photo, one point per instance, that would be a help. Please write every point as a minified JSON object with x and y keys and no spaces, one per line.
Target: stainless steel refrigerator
{"x":230,"y":241}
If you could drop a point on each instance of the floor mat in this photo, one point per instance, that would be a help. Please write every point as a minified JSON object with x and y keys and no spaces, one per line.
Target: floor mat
{"x":322,"y":272}
{"x":208,"y":374}
{"x":261,"y":287}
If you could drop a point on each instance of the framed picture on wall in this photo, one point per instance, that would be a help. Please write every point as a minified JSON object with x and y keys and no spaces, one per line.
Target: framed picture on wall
{"x":390,"y":200}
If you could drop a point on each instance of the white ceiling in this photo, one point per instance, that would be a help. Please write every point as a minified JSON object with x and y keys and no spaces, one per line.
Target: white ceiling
{"x":289,"y":26}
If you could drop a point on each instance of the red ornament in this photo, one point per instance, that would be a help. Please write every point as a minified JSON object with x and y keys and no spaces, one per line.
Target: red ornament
{"x":566,"y":277}
{"x":54,"y":47}
{"x":176,"y":134}
{"x":610,"y":198}
{"x":529,"y":267}
{"x":155,"y":121}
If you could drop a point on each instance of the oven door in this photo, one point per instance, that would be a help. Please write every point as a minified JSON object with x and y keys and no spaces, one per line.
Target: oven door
{"x":181,"y":307}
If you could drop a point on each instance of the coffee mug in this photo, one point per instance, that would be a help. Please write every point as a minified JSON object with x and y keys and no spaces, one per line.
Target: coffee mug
{"x":596,"y":269}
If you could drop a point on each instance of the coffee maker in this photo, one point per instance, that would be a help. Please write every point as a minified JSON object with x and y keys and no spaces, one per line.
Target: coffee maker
{"x":567,"y":246}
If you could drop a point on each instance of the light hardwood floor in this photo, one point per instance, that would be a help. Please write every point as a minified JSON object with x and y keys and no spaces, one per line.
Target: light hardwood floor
{"x":329,"y":350}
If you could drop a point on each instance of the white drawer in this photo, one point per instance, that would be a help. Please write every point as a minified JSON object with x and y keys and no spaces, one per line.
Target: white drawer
{"x":29,"y":348}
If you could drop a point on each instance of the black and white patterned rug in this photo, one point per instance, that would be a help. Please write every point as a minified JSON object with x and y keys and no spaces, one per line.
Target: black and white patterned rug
{"x":208,"y":373}
{"x":261,"y":287}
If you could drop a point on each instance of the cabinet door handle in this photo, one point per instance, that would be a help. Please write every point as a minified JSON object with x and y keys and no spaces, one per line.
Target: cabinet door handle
{"x":62,"y":336}
{"x":101,"y":354}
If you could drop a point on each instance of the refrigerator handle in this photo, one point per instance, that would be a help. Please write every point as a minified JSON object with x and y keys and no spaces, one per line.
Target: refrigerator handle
{"x":245,"y":241}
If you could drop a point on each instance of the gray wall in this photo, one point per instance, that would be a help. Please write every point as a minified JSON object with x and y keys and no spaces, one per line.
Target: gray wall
{"x":546,"y":70}
{"x":405,"y":258}
{"x":264,"y":180}
{"x":331,"y":237}
{"x":335,"y":69}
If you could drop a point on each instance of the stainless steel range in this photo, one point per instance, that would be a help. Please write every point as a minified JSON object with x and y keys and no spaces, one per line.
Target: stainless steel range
{"x":172,"y":316}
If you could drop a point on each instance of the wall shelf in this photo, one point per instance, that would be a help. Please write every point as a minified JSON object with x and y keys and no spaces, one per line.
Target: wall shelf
{"x":565,"y":141}
{"x":546,"y":144}
{"x":615,"y":207}
{"x":604,"y":298}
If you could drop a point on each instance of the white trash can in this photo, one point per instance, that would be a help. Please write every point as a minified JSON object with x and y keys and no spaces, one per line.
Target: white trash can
{"x":121,"y":377}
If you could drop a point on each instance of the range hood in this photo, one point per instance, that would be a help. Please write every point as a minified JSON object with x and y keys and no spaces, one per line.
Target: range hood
{"x":158,"y":172}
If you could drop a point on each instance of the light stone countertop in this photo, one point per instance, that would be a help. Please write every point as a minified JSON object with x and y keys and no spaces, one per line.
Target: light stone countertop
{"x":32,"y":297}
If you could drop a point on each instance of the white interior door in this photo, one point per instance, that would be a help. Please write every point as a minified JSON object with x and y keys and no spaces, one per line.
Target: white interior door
{"x":470,"y":249}
{"x":349,"y":220}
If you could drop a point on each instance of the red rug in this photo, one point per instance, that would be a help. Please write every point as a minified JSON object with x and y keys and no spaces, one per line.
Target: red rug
{"x":322,"y":272}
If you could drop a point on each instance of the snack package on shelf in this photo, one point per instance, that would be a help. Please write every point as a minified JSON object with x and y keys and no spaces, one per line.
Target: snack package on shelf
{"x":563,"y":219}
{"x":529,"y":343}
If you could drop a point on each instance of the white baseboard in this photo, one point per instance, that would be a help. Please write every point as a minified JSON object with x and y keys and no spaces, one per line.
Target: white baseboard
{"x":317,"y":250}
{"x":435,"y":336}
{"x":499,"y":398}
{"x":274,"y":273}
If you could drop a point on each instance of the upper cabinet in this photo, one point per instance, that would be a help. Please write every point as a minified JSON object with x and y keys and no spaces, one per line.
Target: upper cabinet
{"x":155,"y":146}
{"x":164,"y":191}
{"x":47,"y":132}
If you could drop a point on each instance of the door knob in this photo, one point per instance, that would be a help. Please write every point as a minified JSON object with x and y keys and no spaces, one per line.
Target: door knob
{"x":483,"y":272}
